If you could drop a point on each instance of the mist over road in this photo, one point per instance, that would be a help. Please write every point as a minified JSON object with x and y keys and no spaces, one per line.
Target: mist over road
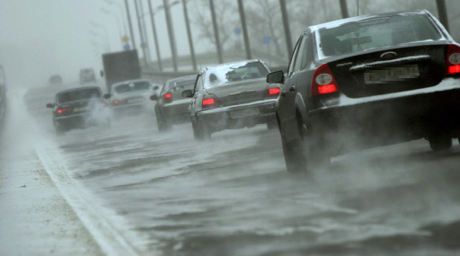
{"x":231,"y":195}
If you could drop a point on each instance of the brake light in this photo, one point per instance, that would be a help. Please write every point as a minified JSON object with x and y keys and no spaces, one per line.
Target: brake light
{"x":167,"y":97}
{"x":453,"y":60}
{"x":323,"y":81}
{"x":115,"y":102}
{"x":64,"y":111}
{"x":274,"y":91}
{"x":208,"y":102}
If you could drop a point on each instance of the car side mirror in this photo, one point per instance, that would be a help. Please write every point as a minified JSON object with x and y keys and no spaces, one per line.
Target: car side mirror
{"x":276,"y":77}
{"x":154,"y":97}
{"x":107,"y":96}
{"x":156,"y":87}
{"x":187,"y":94}
{"x":50,"y":105}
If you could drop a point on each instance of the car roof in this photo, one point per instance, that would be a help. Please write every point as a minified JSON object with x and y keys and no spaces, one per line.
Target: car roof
{"x":131,"y":81}
{"x":232,"y":64}
{"x":79,"y":89}
{"x":182,"y":78}
{"x":340,"y":22}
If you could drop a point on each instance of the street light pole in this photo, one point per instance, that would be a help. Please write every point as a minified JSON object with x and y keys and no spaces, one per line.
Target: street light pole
{"x":105,"y":33}
{"x":141,"y":32}
{"x":128,"y":15}
{"x":287,"y":30}
{"x":189,"y":35}
{"x":245,"y":30}
{"x":144,"y":29}
{"x":155,"y":37}
{"x":216,"y":32}
{"x":117,"y":20}
{"x":172,"y":39}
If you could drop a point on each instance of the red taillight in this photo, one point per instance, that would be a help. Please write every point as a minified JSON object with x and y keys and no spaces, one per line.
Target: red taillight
{"x":167,"y":97}
{"x":64,"y":111}
{"x":208,"y":102}
{"x":453,"y":60}
{"x":104,"y":104}
{"x":115,"y":102}
{"x":274,"y":91}
{"x":323,"y":81}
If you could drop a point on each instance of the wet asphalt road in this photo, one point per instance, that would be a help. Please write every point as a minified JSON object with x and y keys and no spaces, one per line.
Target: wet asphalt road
{"x":232,"y":196}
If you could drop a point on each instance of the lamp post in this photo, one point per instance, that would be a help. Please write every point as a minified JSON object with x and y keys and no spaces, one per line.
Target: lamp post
{"x":245,"y":29}
{"x":172,"y":40}
{"x":128,"y":17}
{"x":141,"y":32}
{"x":118,"y":22}
{"x":144,"y":30}
{"x":155,"y":37}
{"x":287,"y":30}
{"x":95,"y":24}
{"x":189,"y":35}
{"x":216,"y":31}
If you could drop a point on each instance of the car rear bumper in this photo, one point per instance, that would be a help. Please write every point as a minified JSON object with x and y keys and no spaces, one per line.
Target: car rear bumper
{"x":390,"y":119}
{"x":238,"y":116}
{"x":176,"y":113}
{"x":75,"y":121}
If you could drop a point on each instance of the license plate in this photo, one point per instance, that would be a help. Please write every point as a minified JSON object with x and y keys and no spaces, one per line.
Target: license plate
{"x":80,"y":109}
{"x":244,"y":113}
{"x":393,"y":74}
{"x":136,"y":100}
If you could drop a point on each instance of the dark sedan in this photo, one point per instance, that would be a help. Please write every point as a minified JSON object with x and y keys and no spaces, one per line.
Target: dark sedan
{"x":171,"y":107}
{"x":79,"y":108}
{"x":231,"y":96}
{"x":365,"y":82}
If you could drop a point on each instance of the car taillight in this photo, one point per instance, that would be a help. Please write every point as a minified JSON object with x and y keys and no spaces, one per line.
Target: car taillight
{"x":272,"y":91}
{"x":118,"y":102}
{"x":453,"y":60}
{"x":209,"y":102}
{"x":323,"y":81}
{"x":167,"y":97}
{"x":64,"y":111}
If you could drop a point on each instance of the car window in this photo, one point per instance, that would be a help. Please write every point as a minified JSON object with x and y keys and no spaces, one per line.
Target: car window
{"x":293,"y":58}
{"x":368,"y":34}
{"x":301,"y":57}
{"x":225,"y":74}
{"x":198,"y":84}
{"x":133,"y":87}
{"x":78,"y":95}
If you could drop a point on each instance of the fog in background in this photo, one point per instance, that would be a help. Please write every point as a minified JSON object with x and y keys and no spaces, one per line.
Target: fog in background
{"x":40,"y":38}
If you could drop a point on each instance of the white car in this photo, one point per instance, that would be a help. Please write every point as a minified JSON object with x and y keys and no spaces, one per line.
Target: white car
{"x":131,"y":97}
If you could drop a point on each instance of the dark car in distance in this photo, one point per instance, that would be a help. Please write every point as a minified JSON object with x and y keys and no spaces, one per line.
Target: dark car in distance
{"x":232,"y":96}
{"x":366,"y":82}
{"x":55,"y":80}
{"x":79,"y":108}
{"x":171,"y":107}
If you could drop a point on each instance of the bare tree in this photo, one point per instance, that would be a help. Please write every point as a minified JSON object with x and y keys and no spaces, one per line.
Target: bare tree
{"x":226,"y":20}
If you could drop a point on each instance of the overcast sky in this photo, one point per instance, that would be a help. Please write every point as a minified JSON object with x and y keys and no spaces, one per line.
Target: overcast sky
{"x":39,"y":38}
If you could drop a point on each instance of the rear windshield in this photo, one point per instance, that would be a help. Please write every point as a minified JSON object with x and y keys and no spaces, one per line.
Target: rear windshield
{"x":132,"y":87}
{"x":78,"y":95}
{"x":181,"y":84}
{"x":224,"y":74}
{"x":375,"y":33}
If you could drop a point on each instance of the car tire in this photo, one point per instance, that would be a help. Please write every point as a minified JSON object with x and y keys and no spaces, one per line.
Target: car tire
{"x":201,"y":131}
{"x":295,"y":156}
{"x":59,"y":131}
{"x":272,"y":124}
{"x":440,"y":142}
{"x":162,"y":124}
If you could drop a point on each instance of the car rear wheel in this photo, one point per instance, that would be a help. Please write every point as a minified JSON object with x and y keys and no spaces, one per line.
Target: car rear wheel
{"x":440,"y":142}
{"x":201,"y":131}
{"x":162,"y":124}
{"x":272,"y":124}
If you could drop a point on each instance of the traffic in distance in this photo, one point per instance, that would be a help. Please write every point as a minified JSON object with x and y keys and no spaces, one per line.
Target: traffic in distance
{"x":351,"y":84}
